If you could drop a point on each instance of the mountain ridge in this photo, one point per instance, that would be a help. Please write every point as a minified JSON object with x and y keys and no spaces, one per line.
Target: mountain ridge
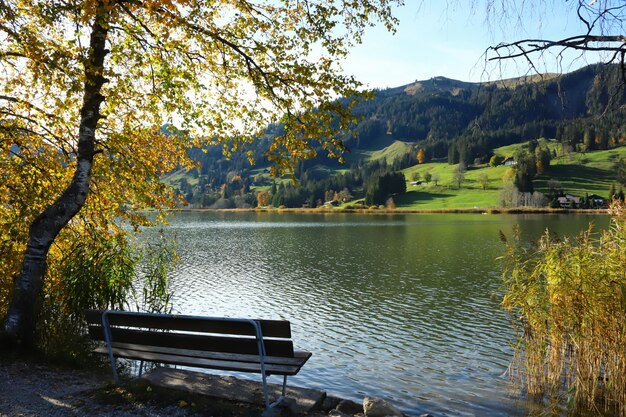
{"x":442,"y":83}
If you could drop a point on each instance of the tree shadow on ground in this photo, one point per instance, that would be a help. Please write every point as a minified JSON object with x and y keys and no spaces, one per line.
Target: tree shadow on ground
{"x":416,"y":197}
{"x":579,"y":177}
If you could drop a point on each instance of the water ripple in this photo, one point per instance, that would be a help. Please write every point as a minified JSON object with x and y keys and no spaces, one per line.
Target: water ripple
{"x":401,"y":307}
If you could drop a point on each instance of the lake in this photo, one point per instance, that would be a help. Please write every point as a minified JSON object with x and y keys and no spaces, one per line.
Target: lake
{"x":402,"y":306}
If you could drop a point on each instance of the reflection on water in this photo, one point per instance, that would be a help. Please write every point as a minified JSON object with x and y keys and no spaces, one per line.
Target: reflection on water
{"x":404,"y":307}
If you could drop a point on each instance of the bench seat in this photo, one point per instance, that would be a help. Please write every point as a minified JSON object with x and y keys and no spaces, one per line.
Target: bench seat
{"x":274,"y":365}
{"x":227,"y":344}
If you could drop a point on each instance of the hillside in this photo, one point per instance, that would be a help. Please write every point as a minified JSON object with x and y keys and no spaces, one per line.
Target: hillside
{"x":473,"y":118}
{"x":579,"y":175}
{"x":449,"y":121}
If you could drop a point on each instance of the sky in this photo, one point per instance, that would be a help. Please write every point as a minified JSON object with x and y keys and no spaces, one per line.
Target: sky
{"x":449,"y":38}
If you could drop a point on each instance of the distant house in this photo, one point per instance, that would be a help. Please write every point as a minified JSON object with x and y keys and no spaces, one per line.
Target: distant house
{"x":569,"y":201}
{"x":416,"y":183}
{"x":508,"y":161}
{"x":595,"y":201}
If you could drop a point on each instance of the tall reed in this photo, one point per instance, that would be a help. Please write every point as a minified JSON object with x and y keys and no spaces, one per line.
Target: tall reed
{"x":157,"y":260}
{"x":568,"y":301}
{"x":102,"y":271}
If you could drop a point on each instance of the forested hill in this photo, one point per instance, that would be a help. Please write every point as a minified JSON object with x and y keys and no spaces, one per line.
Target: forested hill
{"x":467,"y":120}
{"x":452,"y":121}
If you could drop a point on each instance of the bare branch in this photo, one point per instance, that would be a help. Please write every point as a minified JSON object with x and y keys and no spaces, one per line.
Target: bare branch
{"x":526,"y":47}
{"x":603,"y":31}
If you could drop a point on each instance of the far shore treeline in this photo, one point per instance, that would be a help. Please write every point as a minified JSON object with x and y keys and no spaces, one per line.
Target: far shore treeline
{"x":386,"y":210}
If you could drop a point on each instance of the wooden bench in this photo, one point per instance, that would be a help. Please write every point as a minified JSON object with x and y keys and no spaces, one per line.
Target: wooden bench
{"x":229,"y":344}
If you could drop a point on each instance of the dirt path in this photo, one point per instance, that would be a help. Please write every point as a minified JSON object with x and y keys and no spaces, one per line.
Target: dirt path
{"x":28,"y":389}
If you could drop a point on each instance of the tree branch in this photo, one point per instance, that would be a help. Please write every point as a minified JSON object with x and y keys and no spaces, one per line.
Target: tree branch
{"x":45,"y":136}
{"x":29,"y":105}
{"x":580,"y":42}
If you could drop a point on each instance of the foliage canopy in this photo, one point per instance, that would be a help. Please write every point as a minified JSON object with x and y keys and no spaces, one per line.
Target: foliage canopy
{"x":86,"y":86}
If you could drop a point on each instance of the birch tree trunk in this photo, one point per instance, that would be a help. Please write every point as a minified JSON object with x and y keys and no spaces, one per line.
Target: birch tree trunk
{"x":20,"y":324}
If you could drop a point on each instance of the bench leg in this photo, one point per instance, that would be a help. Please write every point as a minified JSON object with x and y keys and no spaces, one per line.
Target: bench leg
{"x":116,"y":378}
{"x":265,"y":391}
{"x":284,"y":385}
{"x":280,"y":399}
{"x":271,"y":410}
{"x":108,"y":339}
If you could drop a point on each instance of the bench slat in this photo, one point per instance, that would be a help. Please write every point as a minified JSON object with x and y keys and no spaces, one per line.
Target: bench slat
{"x":298,"y":360}
{"x":240,"y":345}
{"x":269,"y":328}
{"x":204,"y":363}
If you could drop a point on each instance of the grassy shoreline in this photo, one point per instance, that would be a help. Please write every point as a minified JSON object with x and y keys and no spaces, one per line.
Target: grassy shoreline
{"x":520,"y":210}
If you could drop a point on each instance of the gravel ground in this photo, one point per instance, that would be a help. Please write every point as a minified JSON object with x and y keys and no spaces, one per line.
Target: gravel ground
{"x":28,"y":389}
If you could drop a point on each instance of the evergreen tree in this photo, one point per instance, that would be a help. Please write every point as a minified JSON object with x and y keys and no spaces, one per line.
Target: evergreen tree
{"x":525,"y":171}
{"x":453,"y":155}
{"x":380,"y":187}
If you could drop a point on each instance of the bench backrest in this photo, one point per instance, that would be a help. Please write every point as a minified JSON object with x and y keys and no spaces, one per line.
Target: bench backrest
{"x":193,"y":332}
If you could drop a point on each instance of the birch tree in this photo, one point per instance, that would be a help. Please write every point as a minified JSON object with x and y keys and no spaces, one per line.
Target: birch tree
{"x":86,"y":86}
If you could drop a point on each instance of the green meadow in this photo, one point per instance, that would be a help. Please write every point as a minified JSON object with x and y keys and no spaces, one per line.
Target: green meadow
{"x":578,"y":173}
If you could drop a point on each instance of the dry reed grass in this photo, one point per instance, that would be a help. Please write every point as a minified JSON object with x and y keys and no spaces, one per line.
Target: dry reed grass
{"x":569,"y":300}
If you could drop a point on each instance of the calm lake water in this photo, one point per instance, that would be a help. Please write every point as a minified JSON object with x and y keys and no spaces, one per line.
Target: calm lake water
{"x":405,"y":307}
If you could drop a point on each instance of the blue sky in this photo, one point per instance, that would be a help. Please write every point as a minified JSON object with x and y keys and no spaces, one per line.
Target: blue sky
{"x":448,"y":38}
